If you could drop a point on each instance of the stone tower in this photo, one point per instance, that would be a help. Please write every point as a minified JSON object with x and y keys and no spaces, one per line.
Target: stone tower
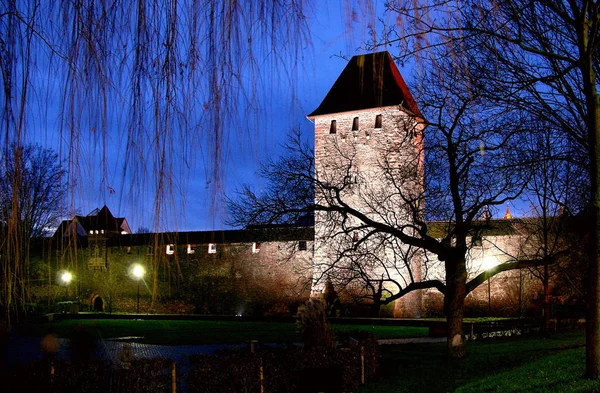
{"x":368,"y":157}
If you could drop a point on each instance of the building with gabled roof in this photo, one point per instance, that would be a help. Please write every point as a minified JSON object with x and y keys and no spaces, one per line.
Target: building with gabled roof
{"x":99,"y":222}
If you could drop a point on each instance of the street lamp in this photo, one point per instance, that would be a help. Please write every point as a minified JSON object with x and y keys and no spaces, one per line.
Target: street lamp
{"x":66,"y":278}
{"x":138,"y":273}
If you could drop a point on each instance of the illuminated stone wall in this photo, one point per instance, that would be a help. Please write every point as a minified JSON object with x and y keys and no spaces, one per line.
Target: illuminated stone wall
{"x":368,"y":163}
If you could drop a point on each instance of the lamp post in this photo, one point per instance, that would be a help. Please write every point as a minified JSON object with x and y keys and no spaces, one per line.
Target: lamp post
{"x":66,"y":278}
{"x":488,"y":263}
{"x":138,"y":273}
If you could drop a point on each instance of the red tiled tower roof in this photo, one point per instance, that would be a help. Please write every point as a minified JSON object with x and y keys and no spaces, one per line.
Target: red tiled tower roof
{"x":368,"y":81}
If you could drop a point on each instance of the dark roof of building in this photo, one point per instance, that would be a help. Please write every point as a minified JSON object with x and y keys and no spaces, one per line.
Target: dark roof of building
{"x":98,"y":219}
{"x":218,"y":237}
{"x":492,"y":227}
{"x":368,"y":81}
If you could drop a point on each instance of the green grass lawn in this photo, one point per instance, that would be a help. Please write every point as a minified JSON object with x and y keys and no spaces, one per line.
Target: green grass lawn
{"x":519,"y":364}
{"x":179,"y":332}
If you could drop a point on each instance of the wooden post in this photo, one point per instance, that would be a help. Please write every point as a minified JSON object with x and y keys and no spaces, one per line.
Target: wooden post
{"x":173,"y":378}
{"x":362,"y":365}
{"x":262,"y":377}
{"x":51,"y":375}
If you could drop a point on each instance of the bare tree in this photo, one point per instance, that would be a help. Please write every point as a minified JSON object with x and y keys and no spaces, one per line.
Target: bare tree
{"x":32,"y":188}
{"x":538,"y":56}
{"x":469,"y":167}
{"x":556,"y":189}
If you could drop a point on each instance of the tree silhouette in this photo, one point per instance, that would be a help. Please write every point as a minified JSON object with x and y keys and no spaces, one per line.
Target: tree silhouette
{"x":366,"y":236}
{"x":540,"y":57}
{"x":32,"y":188}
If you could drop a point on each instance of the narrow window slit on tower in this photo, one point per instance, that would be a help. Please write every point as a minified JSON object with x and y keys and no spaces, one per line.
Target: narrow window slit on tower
{"x":333,"y":127}
{"x":378,"y":120}
{"x":355,"y":124}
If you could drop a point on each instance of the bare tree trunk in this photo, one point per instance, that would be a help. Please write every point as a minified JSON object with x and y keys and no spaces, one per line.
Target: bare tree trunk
{"x":456,"y":278}
{"x":546,"y":300}
{"x":375,"y":309}
{"x":592,"y":339}
{"x":377,"y":301}
{"x":593,"y":306}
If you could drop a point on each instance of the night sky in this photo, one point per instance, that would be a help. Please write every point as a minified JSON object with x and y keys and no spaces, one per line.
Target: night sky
{"x":338,"y":32}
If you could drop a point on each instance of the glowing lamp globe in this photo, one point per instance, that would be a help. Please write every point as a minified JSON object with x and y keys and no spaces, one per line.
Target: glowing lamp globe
{"x":138,"y":271}
{"x":66,"y":277}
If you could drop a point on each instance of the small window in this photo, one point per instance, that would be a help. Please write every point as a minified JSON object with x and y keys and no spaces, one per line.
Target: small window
{"x":150,"y":250}
{"x":191,"y":249}
{"x":170,"y":249}
{"x":96,"y":231}
{"x":302,"y":245}
{"x":102,"y":231}
{"x":355,"y":124}
{"x":355,"y":237}
{"x":212,"y":248}
{"x":255,"y":247}
{"x":333,"y":127}
{"x":91,"y":232}
{"x":378,"y":121}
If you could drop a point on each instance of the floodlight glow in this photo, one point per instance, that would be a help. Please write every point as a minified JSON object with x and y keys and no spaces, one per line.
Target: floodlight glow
{"x":66,"y":277}
{"x":138,"y":271}
{"x":489,"y":262}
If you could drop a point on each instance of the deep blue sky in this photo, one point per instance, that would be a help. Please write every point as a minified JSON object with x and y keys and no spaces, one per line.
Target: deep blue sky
{"x":338,"y":29}
{"x":335,"y":34}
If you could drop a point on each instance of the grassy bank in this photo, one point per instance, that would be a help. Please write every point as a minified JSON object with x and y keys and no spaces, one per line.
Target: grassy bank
{"x":167,"y":332}
{"x":521,"y":364}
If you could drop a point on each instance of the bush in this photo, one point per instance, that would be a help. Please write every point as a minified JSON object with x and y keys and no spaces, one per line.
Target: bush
{"x":294,"y":369}
{"x":146,"y":375}
{"x":287,"y":370}
{"x":235,"y":372}
{"x":312,"y":321}
{"x":59,"y":376}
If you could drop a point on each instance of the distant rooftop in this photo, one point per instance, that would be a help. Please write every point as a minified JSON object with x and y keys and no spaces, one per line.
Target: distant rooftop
{"x":368,"y":81}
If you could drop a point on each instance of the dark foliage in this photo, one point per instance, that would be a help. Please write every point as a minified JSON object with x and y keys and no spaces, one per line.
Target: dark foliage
{"x":288,"y":370}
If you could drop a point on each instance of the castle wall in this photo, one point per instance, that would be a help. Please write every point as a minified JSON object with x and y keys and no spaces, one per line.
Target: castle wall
{"x":265,"y":277}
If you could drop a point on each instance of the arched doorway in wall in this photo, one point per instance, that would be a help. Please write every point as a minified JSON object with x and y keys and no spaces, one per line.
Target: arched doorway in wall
{"x":97,"y":303}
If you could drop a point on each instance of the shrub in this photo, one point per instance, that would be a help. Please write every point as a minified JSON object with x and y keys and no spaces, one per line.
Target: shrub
{"x":312,"y":321}
{"x":146,"y":375}
{"x":287,"y":370}
{"x":59,"y":376}
{"x":234,"y":372}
